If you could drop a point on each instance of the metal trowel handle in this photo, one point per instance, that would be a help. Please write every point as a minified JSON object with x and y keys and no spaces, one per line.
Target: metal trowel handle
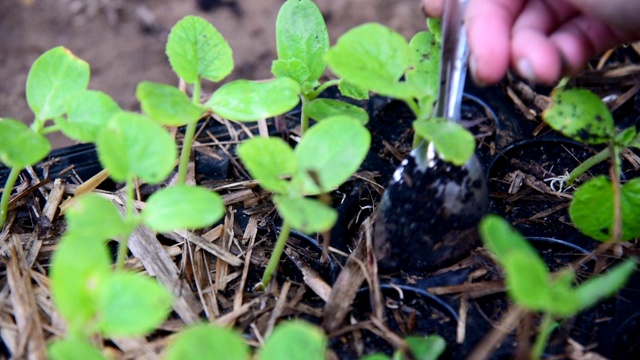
{"x":454,"y":60}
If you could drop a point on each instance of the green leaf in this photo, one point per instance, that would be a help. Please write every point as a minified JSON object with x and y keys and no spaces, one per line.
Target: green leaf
{"x":453,"y":143}
{"x":207,"y":341}
{"x":425,"y":73}
{"x":20,"y":146}
{"x":329,"y":153}
{"x":54,"y":77}
{"x":88,"y":112}
{"x":301,"y":33}
{"x":320,"y":109}
{"x":601,"y":287}
{"x":563,"y":297}
{"x":197,"y":50}
{"x":426,"y":348}
{"x":373,"y":57}
{"x":306,"y":215}
{"x":291,"y":68}
{"x":355,"y":92}
{"x":270,"y":161}
{"x":626,"y":137}
{"x":94,"y":217}
{"x":295,"y":340}
{"x":167,"y":104}
{"x":502,"y":239}
{"x":78,"y":269}
{"x":376,"y":356}
{"x":134,"y":145}
{"x":581,"y":115}
{"x":435,"y":27}
{"x":182,"y":207}
{"x":597,"y":221}
{"x":244,"y":100}
{"x":528,"y":281}
{"x":73,"y":349}
{"x":131,"y":304}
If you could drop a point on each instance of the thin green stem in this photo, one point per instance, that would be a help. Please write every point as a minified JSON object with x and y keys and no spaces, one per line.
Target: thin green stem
{"x":6,"y":194}
{"x":274,"y":260}
{"x":187,"y":141}
{"x":50,"y":129}
{"x":304,"y":123}
{"x":546,"y":328}
{"x":588,"y":164}
{"x":322,"y":88}
{"x":124,"y":241}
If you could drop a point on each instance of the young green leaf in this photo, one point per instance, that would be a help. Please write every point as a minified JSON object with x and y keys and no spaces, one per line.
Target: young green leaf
{"x":320,"y":109}
{"x":329,"y":153}
{"x":301,"y":33}
{"x":270,"y":161}
{"x":295,"y":340}
{"x":426,"y":348}
{"x":130,"y":304}
{"x":244,"y":100}
{"x":79,"y":267}
{"x":88,"y":112}
{"x":425,"y":73}
{"x":197,"y":50}
{"x":581,"y":115}
{"x":601,"y":287}
{"x":54,"y":77}
{"x":167,"y":105}
{"x":74,"y":348}
{"x":355,"y":92}
{"x":306,"y":215}
{"x":502,"y":239}
{"x":207,"y":341}
{"x":94,"y":217}
{"x":435,"y":26}
{"x":597,"y":221}
{"x":291,"y":68}
{"x":528,"y":280}
{"x":20,"y":146}
{"x":134,"y":145}
{"x":373,"y":57}
{"x":182,"y":207}
{"x":453,"y":143}
{"x":376,"y":356}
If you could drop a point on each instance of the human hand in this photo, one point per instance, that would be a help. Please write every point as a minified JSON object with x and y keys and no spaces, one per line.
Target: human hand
{"x":541,"y":39}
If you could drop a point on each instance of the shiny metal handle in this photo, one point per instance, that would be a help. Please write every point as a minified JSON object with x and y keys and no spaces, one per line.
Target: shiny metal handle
{"x":454,"y":60}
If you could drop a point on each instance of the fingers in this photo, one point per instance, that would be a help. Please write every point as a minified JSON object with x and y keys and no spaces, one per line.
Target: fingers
{"x":433,"y":8}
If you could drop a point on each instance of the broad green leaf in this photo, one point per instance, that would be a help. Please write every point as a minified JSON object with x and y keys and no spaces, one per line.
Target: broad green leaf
{"x":73,"y":349}
{"x":94,"y":217}
{"x":197,"y":50}
{"x":207,"y":341}
{"x":78,"y":269}
{"x":54,"y":77}
{"x":425,"y":73}
{"x":581,"y":115}
{"x":295,"y":340}
{"x":373,"y":57}
{"x":329,"y":153}
{"x":19,"y":145}
{"x":320,"y":109}
{"x":131,"y":304}
{"x":355,"y":92}
{"x":291,"y":68}
{"x":306,"y":215}
{"x":453,"y":143}
{"x":88,"y":112}
{"x":270,"y":161}
{"x":435,"y":27}
{"x":601,"y":287}
{"x":244,"y":100}
{"x":134,"y":145}
{"x":167,"y":104}
{"x":502,"y":239}
{"x":528,"y":280}
{"x":301,"y":33}
{"x":627,"y":137}
{"x":376,"y":356}
{"x":597,"y":221}
{"x":563,"y":296}
{"x":182,"y":207}
{"x":426,"y":348}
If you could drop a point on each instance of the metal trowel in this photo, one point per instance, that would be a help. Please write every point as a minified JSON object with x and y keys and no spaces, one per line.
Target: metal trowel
{"x":428,"y":215}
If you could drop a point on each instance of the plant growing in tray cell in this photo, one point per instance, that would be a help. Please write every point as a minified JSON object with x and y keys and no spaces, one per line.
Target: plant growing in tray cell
{"x":532,"y":287}
{"x":583,"y":116}
{"x":328,"y":154}
{"x":378,"y":59}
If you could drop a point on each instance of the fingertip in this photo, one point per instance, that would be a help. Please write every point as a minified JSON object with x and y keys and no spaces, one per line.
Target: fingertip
{"x":433,"y":8}
{"x":536,"y":58}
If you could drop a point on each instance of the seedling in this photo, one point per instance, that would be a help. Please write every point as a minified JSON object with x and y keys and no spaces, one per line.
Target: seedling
{"x":533,"y":287}
{"x":327,"y":156}
{"x":581,"y":115}
{"x":420,"y":348}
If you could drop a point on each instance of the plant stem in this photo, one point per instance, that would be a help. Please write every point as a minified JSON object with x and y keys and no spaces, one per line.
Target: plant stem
{"x":6,"y":194}
{"x":50,"y":129}
{"x":274,"y":260}
{"x":588,"y":164}
{"x":304,"y":123}
{"x":124,"y":241}
{"x":322,"y":88}
{"x":546,"y":328}
{"x":187,"y":140}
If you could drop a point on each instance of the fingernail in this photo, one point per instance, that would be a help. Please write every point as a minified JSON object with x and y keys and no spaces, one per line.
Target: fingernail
{"x":473,"y":69}
{"x":525,"y":69}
